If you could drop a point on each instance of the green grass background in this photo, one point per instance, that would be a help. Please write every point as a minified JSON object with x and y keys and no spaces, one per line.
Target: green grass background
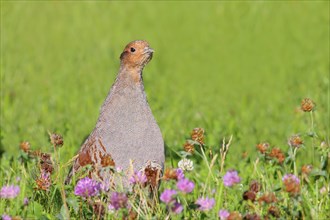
{"x":238,"y":68}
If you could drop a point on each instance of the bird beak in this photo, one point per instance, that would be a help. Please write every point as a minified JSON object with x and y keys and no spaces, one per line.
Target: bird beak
{"x":148,"y":50}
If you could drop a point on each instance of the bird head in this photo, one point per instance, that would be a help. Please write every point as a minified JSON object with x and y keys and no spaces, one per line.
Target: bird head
{"x":136,"y":54}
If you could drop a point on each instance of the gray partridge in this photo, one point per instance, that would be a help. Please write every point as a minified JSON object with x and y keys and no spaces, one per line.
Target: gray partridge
{"x":126,"y":129}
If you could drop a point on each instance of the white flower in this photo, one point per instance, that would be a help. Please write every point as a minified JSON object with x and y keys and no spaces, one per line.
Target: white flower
{"x":186,"y":164}
{"x":119,"y":169}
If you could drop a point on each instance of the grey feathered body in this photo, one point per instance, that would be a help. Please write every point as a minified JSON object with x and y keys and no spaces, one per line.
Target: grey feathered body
{"x":126,"y":129}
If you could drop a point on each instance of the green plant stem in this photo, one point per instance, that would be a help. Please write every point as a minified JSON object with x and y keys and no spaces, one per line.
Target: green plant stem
{"x":294,"y":161}
{"x":60,"y":181}
{"x":208,"y":166}
{"x":313,"y":134}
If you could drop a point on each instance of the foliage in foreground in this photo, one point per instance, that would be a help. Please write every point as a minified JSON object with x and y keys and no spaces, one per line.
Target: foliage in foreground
{"x":203,"y":185}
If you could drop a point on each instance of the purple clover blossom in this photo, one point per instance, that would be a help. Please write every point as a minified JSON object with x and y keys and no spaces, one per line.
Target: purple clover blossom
{"x":9,"y":192}
{"x":177,"y":208}
{"x":205,"y":204}
{"x":231,"y":178}
{"x":223,"y":214}
{"x":138,"y":177}
{"x":87,"y":187}
{"x":167,"y":195}
{"x":5,"y":217}
{"x":25,"y":201}
{"x":118,"y":200}
{"x":111,"y":208}
{"x":185,"y":185}
{"x":179,"y":174}
{"x":291,"y":177}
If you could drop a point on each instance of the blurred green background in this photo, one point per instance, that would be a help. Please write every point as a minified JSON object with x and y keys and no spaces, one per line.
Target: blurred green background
{"x":238,"y":68}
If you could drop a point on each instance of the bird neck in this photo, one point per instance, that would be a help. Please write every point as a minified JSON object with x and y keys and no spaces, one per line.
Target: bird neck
{"x":129,"y":75}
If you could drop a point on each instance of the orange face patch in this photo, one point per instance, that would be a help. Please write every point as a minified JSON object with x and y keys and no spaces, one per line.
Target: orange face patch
{"x":136,"y":54}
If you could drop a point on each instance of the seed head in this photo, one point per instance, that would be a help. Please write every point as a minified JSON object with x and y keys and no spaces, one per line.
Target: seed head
{"x":170,"y":174}
{"x":277,"y":153}
{"x":234,"y":216}
{"x":268,"y":198}
{"x":44,"y":181}
{"x":295,"y":141}
{"x":255,"y":186}
{"x":25,"y":146}
{"x":173,"y":174}
{"x":249,"y":195}
{"x":306,"y":169}
{"x":307,"y":105}
{"x":189,"y":147}
{"x":263,"y":147}
{"x":46,"y":163}
{"x":197,"y":135}
{"x":56,"y":140}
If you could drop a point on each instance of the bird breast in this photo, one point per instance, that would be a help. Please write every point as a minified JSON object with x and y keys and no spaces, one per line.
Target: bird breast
{"x":128,"y":129}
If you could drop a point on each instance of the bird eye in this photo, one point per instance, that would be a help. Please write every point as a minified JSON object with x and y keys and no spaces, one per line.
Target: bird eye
{"x":132,"y":49}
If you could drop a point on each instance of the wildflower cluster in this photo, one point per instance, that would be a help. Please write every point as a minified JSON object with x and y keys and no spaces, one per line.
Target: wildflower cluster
{"x":271,"y":153}
{"x":196,"y":138}
{"x":201,"y":186}
{"x":118,"y":201}
{"x":168,"y":196}
{"x":291,"y":184}
{"x":138,"y":177}
{"x":9,"y":192}
{"x":231,"y":178}
{"x":205,"y":204}
{"x":87,"y":187}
